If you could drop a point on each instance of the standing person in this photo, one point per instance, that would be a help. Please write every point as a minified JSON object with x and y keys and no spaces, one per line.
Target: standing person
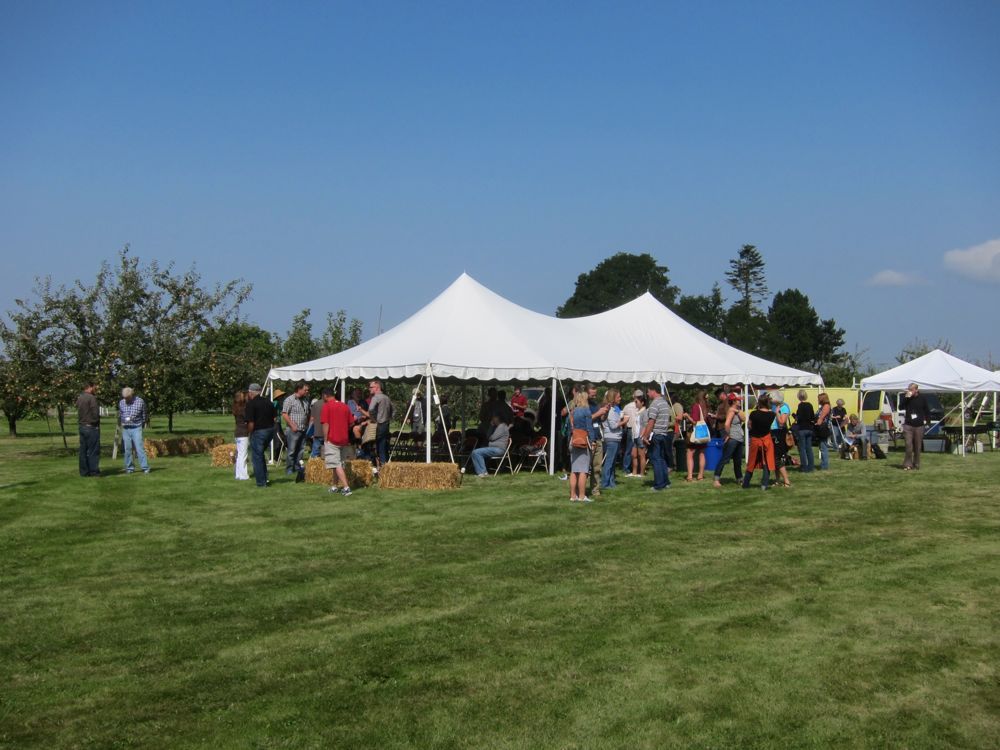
{"x":698,"y":413}
{"x":379,"y":413}
{"x":88,"y":415}
{"x":579,"y":455}
{"x":241,"y":434}
{"x":334,"y":425}
{"x":761,"y":443}
{"x":598,"y":413}
{"x":656,"y":435}
{"x":838,"y":417}
{"x":732,"y":429}
{"x":675,"y":458}
{"x":779,"y":435}
{"x":630,"y":413}
{"x":132,"y":416}
{"x":316,"y":427}
{"x":518,"y":402}
{"x":822,"y":431}
{"x":295,"y":415}
{"x":611,"y":434}
{"x":805,"y":420}
{"x":260,"y":416}
{"x":499,"y":438}
{"x":916,"y":417}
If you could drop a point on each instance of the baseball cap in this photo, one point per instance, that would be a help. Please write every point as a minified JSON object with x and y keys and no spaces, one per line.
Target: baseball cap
{"x":254,"y":388}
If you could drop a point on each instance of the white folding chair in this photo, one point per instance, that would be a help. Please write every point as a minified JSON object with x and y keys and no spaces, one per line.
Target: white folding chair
{"x":500,"y":460}
{"x":537,"y":451}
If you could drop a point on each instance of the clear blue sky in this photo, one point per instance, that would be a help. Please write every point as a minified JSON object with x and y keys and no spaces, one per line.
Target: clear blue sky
{"x":363,"y":154}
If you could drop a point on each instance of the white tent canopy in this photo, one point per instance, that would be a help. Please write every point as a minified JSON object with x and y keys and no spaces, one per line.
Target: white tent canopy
{"x":471,"y":333}
{"x":937,"y":371}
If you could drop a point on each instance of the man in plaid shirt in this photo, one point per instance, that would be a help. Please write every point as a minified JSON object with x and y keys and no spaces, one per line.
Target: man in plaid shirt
{"x":132,"y":416}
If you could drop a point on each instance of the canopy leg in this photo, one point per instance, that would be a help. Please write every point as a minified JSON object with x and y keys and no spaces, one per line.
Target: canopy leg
{"x":962,"y":407}
{"x":552,"y":429}
{"x":444,"y":425}
{"x":413,"y":400}
{"x":428,"y":414}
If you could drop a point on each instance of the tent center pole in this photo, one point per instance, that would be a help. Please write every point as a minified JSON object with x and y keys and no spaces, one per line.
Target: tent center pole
{"x":962,"y":407}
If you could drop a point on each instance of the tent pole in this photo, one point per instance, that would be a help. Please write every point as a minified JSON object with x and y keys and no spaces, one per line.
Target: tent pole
{"x":402,"y":426}
{"x":993,"y":434}
{"x":465,"y":402}
{"x":428,"y":413}
{"x":552,"y":429}
{"x":271,"y":394}
{"x":444,"y":425}
{"x":343,"y":390}
{"x":963,"y":423}
{"x":747,"y":388}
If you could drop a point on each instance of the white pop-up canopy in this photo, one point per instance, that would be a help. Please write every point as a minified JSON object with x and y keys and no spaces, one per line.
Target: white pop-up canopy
{"x":938,"y":372}
{"x":471,"y":333}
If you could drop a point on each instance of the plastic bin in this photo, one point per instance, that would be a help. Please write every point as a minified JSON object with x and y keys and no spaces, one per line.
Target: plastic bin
{"x":713,"y":453}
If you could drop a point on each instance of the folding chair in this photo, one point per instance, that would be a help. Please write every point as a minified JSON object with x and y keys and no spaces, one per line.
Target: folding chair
{"x":535,"y":450}
{"x":501,"y":459}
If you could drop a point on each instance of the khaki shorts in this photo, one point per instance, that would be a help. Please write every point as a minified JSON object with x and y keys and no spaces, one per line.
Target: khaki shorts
{"x":333,"y":456}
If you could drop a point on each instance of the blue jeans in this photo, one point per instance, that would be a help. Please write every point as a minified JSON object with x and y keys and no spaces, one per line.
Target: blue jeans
{"x":824,"y":454}
{"x":317,"y":448}
{"x":90,"y":451}
{"x":608,"y":467}
{"x":132,"y":437}
{"x":763,"y":482}
{"x":479,"y":456}
{"x":627,"y":458}
{"x":731,"y":450}
{"x":658,"y":447}
{"x":259,"y":440}
{"x":382,"y":443}
{"x":805,"y":440}
{"x":293,"y":449}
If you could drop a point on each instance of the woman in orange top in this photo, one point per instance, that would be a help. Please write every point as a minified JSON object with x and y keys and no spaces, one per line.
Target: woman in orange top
{"x":761,"y":444}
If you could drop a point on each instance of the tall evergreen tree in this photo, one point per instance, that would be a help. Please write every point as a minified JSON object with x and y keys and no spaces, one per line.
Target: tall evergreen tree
{"x":746,"y":277}
{"x":705,"y":312}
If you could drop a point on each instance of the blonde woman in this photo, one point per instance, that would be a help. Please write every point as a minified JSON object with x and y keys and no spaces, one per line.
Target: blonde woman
{"x":579,"y":455}
{"x":611,"y":429}
{"x":698,"y":413}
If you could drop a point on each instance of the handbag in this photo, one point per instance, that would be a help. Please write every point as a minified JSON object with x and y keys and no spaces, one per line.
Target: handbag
{"x":789,"y":440}
{"x":368,"y":436}
{"x":700,"y":435}
{"x":579,"y":438}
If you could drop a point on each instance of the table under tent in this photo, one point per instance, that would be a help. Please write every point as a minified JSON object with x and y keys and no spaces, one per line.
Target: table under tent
{"x":470,"y":334}
{"x":940,"y":372}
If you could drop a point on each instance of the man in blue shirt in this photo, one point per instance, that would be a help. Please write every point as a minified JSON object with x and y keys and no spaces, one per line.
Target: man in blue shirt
{"x":598,"y":414}
{"x":132,"y":416}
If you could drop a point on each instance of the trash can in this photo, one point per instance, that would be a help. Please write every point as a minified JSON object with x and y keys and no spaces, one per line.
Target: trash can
{"x":713,"y":453}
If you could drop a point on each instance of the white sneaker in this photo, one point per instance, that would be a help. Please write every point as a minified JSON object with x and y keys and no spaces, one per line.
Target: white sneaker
{"x":586,"y":500}
{"x":564,"y":477}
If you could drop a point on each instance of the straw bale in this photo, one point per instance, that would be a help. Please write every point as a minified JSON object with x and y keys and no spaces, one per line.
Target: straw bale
{"x":181,"y":446}
{"x":224,"y":455}
{"x":359,"y":473}
{"x":400,"y":475}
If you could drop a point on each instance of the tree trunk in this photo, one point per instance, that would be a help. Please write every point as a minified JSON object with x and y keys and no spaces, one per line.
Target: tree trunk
{"x":170,"y":422}
{"x":61,"y":411}
{"x":12,"y":426}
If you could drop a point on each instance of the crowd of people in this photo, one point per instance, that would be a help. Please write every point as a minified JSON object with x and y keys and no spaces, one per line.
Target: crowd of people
{"x":595,"y":435}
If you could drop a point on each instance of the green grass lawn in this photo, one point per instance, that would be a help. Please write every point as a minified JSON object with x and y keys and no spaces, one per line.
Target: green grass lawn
{"x":859,"y":608}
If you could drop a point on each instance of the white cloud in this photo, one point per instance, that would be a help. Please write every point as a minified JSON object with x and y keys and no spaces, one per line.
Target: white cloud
{"x":889,"y":277}
{"x":981,"y":262}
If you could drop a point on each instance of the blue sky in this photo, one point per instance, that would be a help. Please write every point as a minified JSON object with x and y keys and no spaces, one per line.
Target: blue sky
{"x":365,"y":154}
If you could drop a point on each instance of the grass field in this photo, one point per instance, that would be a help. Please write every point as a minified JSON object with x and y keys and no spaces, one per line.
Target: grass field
{"x":859,"y":608}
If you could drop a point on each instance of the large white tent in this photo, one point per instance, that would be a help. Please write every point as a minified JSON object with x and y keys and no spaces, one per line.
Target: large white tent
{"x":937,"y":372}
{"x":469,"y":332}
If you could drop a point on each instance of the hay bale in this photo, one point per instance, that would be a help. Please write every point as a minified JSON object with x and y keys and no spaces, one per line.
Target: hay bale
{"x":224,"y":455}
{"x":181,"y":446}
{"x":359,"y":473}
{"x":398,"y":475}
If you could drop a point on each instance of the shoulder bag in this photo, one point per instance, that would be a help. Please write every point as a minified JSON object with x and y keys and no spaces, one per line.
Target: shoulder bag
{"x":579,"y":438}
